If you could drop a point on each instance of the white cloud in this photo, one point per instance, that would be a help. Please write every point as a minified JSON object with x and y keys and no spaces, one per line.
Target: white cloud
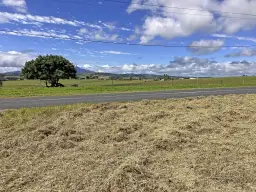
{"x":13,"y":59}
{"x":169,"y":22}
{"x":77,"y":37}
{"x":82,"y":42}
{"x":114,"y":37}
{"x":97,"y":34}
{"x":82,"y":31}
{"x":179,"y":66}
{"x":246,"y":52}
{"x":100,"y":35}
{"x":131,"y":37}
{"x":33,"y":33}
{"x":6,"y":17}
{"x":88,"y":31}
{"x":28,"y":19}
{"x":115,"y":52}
{"x":125,"y":29}
{"x":8,"y":69}
{"x":87,"y":66}
{"x":24,"y":18}
{"x":231,"y":25}
{"x":14,"y":53}
{"x":252,"y":39}
{"x":205,"y":46}
{"x":169,"y":28}
{"x":18,"y":5}
{"x":185,"y":66}
{"x":110,"y":26}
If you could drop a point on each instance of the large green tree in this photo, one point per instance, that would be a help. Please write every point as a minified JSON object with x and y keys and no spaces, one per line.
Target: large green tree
{"x":50,"y":68}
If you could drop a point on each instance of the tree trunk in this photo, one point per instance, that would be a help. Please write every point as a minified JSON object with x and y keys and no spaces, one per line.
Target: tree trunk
{"x":46,"y":84}
{"x":54,"y":83}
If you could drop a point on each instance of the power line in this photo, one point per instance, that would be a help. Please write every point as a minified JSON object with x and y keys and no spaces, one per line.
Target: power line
{"x":225,"y":16}
{"x":13,"y":32}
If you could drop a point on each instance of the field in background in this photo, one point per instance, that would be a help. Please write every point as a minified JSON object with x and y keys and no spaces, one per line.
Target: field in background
{"x":26,"y":88}
{"x":199,"y":144}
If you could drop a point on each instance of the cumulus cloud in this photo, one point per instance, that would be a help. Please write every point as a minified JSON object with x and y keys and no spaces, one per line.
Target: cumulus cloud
{"x":232,"y":25}
{"x":13,"y":60}
{"x":18,"y":5}
{"x":168,"y":27}
{"x":115,"y":52}
{"x":243,"y":53}
{"x":185,"y":66}
{"x":205,"y":46}
{"x":169,"y":22}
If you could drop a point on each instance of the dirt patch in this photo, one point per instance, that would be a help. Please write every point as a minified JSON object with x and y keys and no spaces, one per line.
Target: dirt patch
{"x":199,"y":144}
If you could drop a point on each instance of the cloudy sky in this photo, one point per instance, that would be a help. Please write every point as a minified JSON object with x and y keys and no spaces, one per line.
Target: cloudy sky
{"x":192,"y":38}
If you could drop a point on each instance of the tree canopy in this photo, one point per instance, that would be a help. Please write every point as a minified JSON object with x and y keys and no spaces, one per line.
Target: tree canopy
{"x":50,"y":68}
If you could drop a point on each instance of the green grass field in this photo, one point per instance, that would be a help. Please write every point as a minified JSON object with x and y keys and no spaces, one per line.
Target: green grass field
{"x":25,"y":88}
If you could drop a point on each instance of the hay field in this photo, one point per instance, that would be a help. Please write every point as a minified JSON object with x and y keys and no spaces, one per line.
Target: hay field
{"x":199,"y":144}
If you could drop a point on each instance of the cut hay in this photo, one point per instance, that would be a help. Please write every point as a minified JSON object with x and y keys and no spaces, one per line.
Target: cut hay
{"x":199,"y":144}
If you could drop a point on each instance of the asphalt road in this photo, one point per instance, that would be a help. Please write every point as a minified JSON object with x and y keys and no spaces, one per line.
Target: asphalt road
{"x":14,"y":103}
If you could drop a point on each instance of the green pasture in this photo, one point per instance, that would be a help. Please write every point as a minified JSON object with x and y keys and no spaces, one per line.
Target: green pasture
{"x":25,"y":88}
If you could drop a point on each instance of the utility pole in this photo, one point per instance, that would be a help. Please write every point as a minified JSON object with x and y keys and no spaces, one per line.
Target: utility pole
{"x":1,"y":80}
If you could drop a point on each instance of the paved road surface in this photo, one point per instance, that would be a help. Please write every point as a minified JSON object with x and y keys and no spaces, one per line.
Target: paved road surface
{"x":15,"y":103}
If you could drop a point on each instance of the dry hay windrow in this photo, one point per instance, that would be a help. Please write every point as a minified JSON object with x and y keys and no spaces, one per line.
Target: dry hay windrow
{"x":199,"y":144}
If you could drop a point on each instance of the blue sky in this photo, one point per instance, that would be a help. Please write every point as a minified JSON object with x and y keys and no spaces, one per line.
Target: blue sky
{"x":203,"y":28}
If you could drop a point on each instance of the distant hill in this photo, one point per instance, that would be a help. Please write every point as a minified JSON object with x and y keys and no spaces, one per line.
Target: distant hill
{"x":12,"y":73}
{"x":82,"y":70}
{"x":78,"y":69}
